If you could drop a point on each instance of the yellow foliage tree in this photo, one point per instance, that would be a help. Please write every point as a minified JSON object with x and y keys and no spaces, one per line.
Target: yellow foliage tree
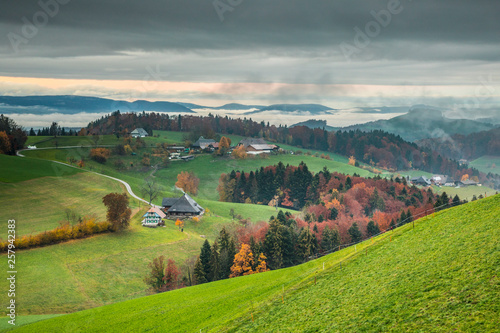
{"x":465,"y":177}
{"x":179,"y":223}
{"x":239,"y":153}
{"x":243,"y":262}
{"x":261,"y":264}
{"x":352,"y":161}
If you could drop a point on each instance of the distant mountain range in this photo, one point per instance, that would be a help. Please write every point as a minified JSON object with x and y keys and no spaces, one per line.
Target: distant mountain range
{"x":69,"y":104}
{"x":423,"y":122}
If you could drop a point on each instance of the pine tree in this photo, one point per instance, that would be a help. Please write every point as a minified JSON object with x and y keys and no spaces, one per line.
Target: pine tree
{"x":199,"y":272}
{"x":215,"y":263}
{"x":356,"y":235}
{"x":372,"y":229}
{"x":334,"y":213}
{"x":456,"y":200}
{"x":205,"y":256}
{"x":409,"y":216}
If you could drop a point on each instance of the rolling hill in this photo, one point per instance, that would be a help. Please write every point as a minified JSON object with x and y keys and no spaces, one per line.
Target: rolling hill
{"x":440,"y":275}
{"x":423,"y":122}
{"x":469,"y":147}
{"x":70,"y":104}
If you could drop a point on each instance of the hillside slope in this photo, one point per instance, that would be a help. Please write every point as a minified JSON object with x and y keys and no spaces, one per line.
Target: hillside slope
{"x":423,"y":122}
{"x":442,"y":275}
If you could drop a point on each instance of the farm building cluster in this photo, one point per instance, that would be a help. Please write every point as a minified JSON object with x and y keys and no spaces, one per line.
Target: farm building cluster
{"x":442,"y":180}
{"x":172,"y":208}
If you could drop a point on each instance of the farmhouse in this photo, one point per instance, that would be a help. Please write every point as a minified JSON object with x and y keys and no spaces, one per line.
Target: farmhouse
{"x":255,"y":146}
{"x":153,"y":217}
{"x":468,"y":182}
{"x":184,"y":206}
{"x":422,"y":180}
{"x":139,"y":133}
{"x":440,"y":179}
{"x":203,"y":143}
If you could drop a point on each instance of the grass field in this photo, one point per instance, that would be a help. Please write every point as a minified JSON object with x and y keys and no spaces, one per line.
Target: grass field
{"x":465,"y":192}
{"x":39,"y":204}
{"x":441,"y":275}
{"x":16,"y":169}
{"x":487,"y":164}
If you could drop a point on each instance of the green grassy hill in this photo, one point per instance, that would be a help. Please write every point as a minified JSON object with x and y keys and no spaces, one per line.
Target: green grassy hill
{"x":442,"y":275}
{"x":487,"y":164}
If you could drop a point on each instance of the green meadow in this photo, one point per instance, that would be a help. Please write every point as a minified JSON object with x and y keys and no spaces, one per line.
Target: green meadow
{"x":487,"y":164}
{"x":440,"y":275}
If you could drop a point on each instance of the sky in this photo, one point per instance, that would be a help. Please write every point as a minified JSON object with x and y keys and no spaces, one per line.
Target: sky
{"x":340,"y":53}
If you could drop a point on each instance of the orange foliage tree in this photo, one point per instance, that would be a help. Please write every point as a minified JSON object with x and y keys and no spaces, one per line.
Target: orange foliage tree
{"x":179,"y":223}
{"x":100,"y":155}
{"x":352,"y":161}
{"x":4,"y":143}
{"x":188,"y":182}
{"x":239,"y":153}
{"x":244,"y":262}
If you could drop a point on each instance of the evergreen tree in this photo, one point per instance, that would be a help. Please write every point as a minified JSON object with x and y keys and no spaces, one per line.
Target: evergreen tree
{"x":372,"y":229}
{"x":456,"y":200}
{"x":356,"y":235}
{"x":409,"y":216}
{"x":32,"y":132}
{"x":205,"y":256}
{"x":307,"y":245}
{"x":199,"y":272}
{"x":330,"y":239}
{"x":215,"y":263}
{"x":334,"y":213}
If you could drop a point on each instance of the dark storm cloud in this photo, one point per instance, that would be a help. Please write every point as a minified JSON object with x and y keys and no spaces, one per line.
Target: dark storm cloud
{"x":101,"y":27}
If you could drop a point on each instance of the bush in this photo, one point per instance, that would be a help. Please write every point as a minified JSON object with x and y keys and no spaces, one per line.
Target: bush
{"x":100,"y":155}
{"x":60,"y":234}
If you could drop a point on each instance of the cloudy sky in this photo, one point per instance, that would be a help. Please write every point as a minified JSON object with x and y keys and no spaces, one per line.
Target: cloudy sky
{"x":340,"y":53}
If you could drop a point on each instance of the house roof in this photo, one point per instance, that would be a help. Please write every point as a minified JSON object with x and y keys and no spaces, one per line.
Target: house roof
{"x":139,"y":131}
{"x":157,"y":211}
{"x":469,"y":182}
{"x":252,"y":142}
{"x":185,"y":204}
{"x":260,"y":146}
{"x":421,"y":179}
{"x":168,"y":202}
{"x":203,"y":143}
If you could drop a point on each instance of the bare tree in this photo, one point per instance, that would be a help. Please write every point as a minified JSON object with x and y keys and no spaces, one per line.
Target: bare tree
{"x":150,"y":188}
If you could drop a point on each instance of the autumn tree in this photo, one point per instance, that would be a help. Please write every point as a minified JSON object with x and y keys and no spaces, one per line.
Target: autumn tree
{"x":224,"y":145}
{"x":150,"y":188}
{"x":188,"y":182}
{"x":100,"y":155}
{"x":352,"y":161}
{"x":155,"y":278}
{"x":180,"y":224}
{"x":239,"y":153}
{"x":118,"y":211}
{"x":243,"y":262}
{"x":171,"y":277}
{"x":4,"y":143}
